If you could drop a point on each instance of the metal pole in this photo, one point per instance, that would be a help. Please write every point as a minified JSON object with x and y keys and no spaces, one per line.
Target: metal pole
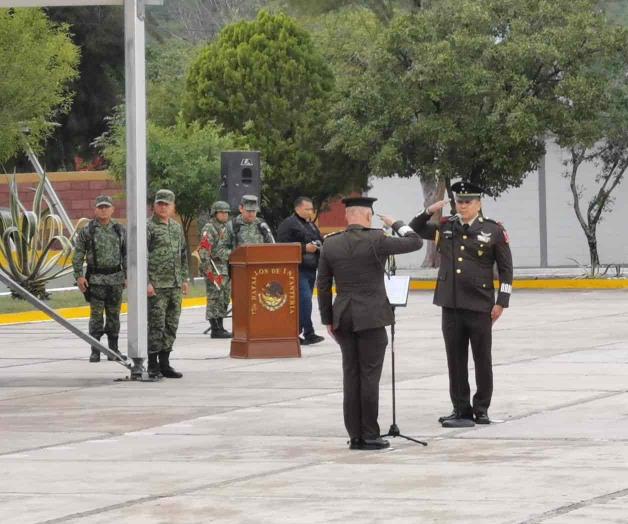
{"x":57,"y":206}
{"x":59,"y":319}
{"x":543,"y":212}
{"x":136,"y":178}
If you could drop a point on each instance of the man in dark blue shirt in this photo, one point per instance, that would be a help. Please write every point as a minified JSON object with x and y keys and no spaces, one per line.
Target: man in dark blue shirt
{"x":299,"y":227}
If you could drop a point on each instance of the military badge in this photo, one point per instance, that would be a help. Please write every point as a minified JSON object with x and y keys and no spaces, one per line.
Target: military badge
{"x":484,"y":237}
{"x":273,"y":296}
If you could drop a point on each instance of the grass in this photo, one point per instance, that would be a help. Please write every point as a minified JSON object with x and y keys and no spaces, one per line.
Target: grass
{"x":63,"y":299}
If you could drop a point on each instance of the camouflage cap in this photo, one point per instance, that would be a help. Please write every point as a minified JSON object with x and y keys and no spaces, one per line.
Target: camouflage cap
{"x":220,"y":205}
{"x":249,"y":203}
{"x":164,"y":195}
{"x":104,"y":200}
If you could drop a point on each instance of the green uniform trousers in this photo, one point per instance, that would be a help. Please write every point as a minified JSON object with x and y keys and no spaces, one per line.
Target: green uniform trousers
{"x":164,"y":310}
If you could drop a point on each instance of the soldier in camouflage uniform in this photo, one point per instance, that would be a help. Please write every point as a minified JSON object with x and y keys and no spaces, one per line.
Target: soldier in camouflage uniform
{"x":246,"y":228}
{"x":216,"y":270}
{"x":103,"y":244}
{"x":167,"y":282}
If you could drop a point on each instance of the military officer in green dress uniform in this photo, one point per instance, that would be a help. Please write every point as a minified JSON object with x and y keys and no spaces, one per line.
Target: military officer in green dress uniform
{"x":167,"y":282}
{"x":102,"y":243}
{"x":215,"y":269}
{"x":470,"y":245}
{"x":354,"y":259}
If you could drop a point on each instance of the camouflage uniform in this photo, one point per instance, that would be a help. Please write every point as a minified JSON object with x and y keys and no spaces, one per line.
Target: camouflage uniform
{"x":104,"y":248}
{"x":218,"y":285}
{"x":167,"y":270}
{"x":238,"y":232}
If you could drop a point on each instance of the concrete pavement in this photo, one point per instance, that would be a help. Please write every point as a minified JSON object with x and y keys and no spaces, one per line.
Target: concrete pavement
{"x":262,"y":441}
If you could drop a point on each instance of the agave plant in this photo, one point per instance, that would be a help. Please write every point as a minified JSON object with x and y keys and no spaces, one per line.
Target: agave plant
{"x":33,"y":247}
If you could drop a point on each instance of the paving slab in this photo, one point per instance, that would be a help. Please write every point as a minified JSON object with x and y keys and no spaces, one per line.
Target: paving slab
{"x":262,"y":441}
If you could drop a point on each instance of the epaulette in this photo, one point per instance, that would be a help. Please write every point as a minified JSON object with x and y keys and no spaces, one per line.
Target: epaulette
{"x":332,"y":234}
{"x":492,"y":221}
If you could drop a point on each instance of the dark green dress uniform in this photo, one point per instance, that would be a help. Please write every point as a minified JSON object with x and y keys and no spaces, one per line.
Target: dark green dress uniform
{"x":465,"y":292}
{"x":355,"y":260}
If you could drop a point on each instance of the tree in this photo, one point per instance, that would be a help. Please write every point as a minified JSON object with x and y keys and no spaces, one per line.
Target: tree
{"x":197,"y":21}
{"x":37,"y":60}
{"x":592,"y":127}
{"x":265,"y":80}
{"x":183,"y":158}
{"x":99,"y":32}
{"x":465,"y":89}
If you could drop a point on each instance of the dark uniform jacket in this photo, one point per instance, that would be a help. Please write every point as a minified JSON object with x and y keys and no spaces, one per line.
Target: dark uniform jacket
{"x":355,"y":259}
{"x":468,"y":253}
{"x":296,"y":229}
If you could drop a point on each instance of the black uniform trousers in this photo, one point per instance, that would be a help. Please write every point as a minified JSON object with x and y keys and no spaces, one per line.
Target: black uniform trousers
{"x":461,"y":326}
{"x":362,"y":360}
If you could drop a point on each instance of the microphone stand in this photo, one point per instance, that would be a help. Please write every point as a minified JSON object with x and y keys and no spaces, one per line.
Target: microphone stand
{"x":394,"y":430}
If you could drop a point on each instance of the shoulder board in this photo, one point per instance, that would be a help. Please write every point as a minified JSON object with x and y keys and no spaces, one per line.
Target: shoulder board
{"x":492,"y":221}
{"x":333,"y":234}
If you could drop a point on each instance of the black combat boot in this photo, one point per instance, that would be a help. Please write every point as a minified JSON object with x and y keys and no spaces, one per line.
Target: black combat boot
{"x":113,"y":346}
{"x":217,"y":330}
{"x":95,"y":355}
{"x":153,"y":366}
{"x":225,"y":333}
{"x":166,"y":369}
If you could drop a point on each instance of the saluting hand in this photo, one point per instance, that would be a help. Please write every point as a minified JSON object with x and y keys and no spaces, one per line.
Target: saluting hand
{"x":437,"y":206}
{"x":387,"y":220}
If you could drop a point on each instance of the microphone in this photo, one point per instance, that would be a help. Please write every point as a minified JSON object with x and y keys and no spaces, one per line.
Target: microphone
{"x":265,"y":227}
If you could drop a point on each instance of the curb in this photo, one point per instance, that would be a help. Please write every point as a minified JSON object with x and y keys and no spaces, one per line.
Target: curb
{"x":415,"y":285}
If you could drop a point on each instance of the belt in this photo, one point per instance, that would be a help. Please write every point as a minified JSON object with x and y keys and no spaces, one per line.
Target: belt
{"x":104,"y":270}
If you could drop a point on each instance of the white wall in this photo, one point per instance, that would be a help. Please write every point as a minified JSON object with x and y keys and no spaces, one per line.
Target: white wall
{"x":518,"y":210}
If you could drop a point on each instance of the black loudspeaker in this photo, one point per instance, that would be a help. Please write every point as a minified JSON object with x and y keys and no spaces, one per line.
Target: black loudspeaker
{"x":240,"y":174}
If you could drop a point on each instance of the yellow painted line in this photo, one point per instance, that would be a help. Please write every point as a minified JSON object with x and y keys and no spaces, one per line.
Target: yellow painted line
{"x":415,"y":285}
{"x":76,"y":312}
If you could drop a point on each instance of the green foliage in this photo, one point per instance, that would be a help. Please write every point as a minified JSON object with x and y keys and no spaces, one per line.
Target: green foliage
{"x":27,"y":240}
{"x":184,"y":158}
{"x":465,"y":89}
{"x":167,"y":66}
{"x":266,"y":81}
{"x":99,"y":87}
{"x":37,"y":60}
{"x":384,"y":10}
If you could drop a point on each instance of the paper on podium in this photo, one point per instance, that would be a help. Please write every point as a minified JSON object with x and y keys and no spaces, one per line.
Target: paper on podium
{"x":397,"y":288}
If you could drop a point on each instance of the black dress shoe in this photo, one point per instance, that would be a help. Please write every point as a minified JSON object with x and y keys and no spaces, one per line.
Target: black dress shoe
{"x":311,"y":339}
{"x":95,"y":355}
{"x":356,"y":443}
{"x":482,"y":418}
{"x":375,"y":443}
{"x":454,"y":414}
{"x":459,"y":422}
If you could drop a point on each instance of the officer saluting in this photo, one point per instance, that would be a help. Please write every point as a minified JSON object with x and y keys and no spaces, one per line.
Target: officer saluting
{"x":469,"y":245}
{"x":355,"y":259}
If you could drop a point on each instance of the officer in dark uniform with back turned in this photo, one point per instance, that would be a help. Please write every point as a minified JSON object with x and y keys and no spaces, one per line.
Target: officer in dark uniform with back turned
{"x":469,"y":245}
{"x":355,"y":260}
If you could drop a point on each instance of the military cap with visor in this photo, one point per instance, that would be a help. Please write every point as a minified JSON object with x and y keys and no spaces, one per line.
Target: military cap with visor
{"x":361,"y":201}
{"x":104,"y":200}
{"x":164,"y":195}
{"x":467,"y":190}
{"x":249,"y":203}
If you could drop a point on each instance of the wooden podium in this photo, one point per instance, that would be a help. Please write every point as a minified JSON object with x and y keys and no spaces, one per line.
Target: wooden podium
{"x":265,"y":291}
